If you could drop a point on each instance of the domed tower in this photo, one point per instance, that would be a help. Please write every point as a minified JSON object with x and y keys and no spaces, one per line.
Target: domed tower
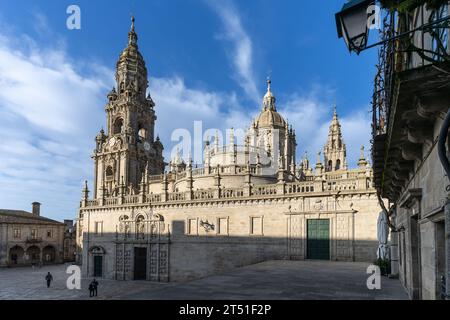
{"x":129,"y":146}
{"x":335,"y":154}
{"x":271,"y":134}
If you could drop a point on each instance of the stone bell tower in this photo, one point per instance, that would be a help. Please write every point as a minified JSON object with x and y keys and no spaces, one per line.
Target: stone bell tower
{"x":128,"y":151}
{"x":335,"y":154}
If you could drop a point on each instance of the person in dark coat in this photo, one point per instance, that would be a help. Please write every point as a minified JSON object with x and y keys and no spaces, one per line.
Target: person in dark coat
{"x":49,"y":279}
{"x":95,"y":285}
{"x":91,"y":289}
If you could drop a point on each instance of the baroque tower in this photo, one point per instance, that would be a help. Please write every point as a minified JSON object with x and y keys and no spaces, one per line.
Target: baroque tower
{"x":335,"y":154}
{"x":128,"y":151}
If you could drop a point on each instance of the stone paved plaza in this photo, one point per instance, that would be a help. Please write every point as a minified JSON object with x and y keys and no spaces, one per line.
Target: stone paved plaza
{"x":266,"y":280}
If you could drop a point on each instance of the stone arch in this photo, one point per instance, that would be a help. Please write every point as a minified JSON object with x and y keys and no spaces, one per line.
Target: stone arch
{"x":142,"y":132}
{"x":97,"y":261}
{"x":330,"y":165}
{"x":140,"y":226}
{"x":97,"y":250}
{"x":338,"y":164}
{"x":16,"y":255}
{"x":49,"y":254}
{"x":109,"y":173}
{"x":118,"y":125}
{"x":33,"y":254}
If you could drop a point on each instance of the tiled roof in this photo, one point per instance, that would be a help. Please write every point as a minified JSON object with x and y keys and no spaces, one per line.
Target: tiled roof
{"x":20,"y":216}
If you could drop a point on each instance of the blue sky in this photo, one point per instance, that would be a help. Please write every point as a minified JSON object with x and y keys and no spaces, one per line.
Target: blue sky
{"x":207,"y":60}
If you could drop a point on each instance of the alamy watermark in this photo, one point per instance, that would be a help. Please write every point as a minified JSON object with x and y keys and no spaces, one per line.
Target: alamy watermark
{"x":74,"y":280}
{"x":73,"y":21}
{"x":374,"y":280}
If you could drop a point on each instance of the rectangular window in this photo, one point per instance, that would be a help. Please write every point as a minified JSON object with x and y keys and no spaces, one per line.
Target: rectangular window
{"x":17,"y":234}
{"x":49,"y":233}
{"x":192,"y":226}
{"x":256,"y":225}
{"x":98,"y":228}
{"x":33,"y":233}
{"x":222,"y":224}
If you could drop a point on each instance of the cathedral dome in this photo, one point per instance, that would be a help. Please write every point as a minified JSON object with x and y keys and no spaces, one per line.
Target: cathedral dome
{"x":269,"y":117}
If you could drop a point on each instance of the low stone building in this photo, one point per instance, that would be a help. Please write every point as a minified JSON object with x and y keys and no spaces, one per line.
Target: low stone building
{"x":27,"y":238}
{"x":244,"y":204}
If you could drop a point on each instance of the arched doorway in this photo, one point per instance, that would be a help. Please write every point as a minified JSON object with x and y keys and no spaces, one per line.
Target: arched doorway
{"x":49,"y":255}
{"x":16,"y":255}
{"x":33,"y":254}
{"x":97,"y":258}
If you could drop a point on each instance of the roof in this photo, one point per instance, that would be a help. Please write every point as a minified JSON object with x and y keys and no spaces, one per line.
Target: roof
{"x":21,"y":216}
{"x":270,"y":119}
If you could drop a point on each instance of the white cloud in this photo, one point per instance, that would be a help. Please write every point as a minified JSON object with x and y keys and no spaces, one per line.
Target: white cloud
{"x":242,"y":46}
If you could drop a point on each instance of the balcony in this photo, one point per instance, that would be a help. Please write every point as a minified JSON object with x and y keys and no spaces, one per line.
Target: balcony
{"x":411,"y":90}
{"x":32,"y":239}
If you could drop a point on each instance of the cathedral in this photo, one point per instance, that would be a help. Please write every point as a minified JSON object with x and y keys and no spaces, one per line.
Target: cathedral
{"x":147,"y":219}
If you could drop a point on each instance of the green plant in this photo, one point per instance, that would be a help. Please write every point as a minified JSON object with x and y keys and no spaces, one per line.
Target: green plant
{"x":385,"y":266}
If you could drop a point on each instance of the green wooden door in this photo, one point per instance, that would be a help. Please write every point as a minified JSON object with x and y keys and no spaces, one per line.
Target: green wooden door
{"x":98,"y":266}
{"x":318,"y":241}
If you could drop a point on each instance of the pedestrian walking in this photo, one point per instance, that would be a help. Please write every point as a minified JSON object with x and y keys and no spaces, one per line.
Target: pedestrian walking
{"x":49,"y":279}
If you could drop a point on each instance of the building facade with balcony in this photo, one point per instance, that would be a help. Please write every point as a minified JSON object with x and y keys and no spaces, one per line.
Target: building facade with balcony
{"x":411,"y":98}
{"x":26,"y":238}
{"x":244,"y":204}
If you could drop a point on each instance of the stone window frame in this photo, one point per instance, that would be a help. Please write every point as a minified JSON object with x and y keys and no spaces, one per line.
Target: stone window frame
{"x":250,"y":230}
{"x":17,"y":233}
{"x":188,"y":226}
{"x":34,"y":233}
{"x":98,"y":228}
{"x":51,"y":233}
{"x":218,"y":233}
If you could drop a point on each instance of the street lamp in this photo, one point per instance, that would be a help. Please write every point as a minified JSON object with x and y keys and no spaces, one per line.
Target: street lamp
{"x":351,"y":23}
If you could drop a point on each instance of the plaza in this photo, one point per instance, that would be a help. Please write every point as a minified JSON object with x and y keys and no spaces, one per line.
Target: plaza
{"x":297,"y":280}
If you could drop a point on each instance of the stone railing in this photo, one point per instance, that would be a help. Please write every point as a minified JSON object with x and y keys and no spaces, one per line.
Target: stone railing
{"x":347,"y":184}
{"x":198,"y":171}
{"x":177,"y":196}
{"x":92,"y":203}
{"x":232,"y":193}
{"x":299,"y":187}
{"x":359,"y":181}
{"x":153,"y":197}
{"x":269,"y":189}
{"x":111,"y":201}
{"x":131,"y":199}
{"x":203,"y":194}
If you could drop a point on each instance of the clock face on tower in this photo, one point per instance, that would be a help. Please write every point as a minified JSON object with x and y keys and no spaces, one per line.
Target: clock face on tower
{"x":146,"y":145}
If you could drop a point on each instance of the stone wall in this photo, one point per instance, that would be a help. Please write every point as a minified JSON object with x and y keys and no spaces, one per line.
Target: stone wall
{"x":208,"y":237}
{"x":421,"y":243}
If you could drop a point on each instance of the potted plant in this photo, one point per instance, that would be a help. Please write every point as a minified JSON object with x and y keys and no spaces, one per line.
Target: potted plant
{"x":384,"y":265}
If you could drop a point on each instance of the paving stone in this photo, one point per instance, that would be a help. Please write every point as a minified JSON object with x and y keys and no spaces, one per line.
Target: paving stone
{"x":313,"y":280}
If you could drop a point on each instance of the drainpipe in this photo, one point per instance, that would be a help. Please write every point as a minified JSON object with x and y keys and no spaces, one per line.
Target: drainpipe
{"x":442,"y":152}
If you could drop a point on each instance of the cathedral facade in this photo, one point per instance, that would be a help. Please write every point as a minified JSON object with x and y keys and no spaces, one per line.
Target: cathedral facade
{"x":148,"y":219}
